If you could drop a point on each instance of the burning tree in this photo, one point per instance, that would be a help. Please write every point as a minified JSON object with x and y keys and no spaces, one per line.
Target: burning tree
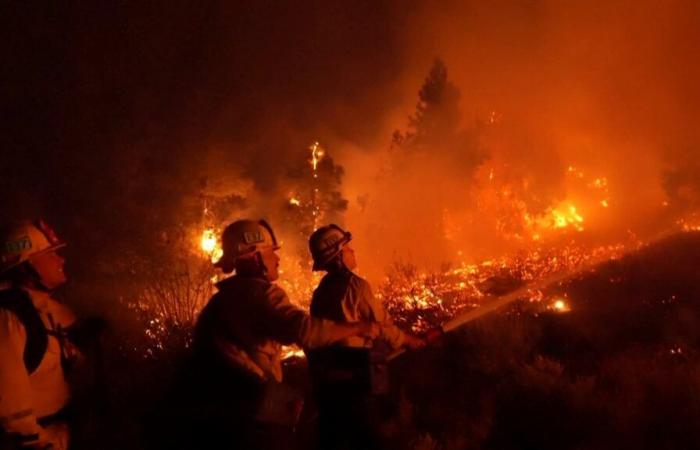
{"x":314,"y":196}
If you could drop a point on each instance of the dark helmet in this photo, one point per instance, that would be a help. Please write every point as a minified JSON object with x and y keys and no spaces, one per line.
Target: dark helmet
{"x":245,"y":238}
{"x":326,"y":243}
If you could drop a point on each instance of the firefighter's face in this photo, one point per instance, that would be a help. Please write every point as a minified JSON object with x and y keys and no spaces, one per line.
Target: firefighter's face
{"x":271,"y":261}
{"x":349,"y":260}
{"x":49,"y":266}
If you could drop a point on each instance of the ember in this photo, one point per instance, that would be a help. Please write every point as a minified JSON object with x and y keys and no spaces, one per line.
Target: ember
{"x":422,"y":301}
{"x":560,"y":306}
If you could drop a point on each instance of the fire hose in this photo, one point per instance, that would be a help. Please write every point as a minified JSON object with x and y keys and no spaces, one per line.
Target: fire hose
{"x":499,"y":301}
{"x":492,"y":305}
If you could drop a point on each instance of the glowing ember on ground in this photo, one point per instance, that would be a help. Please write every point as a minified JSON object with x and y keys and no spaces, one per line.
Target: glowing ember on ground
{"x":422,"y":301}
{"x":560,"y":305}
{"x":690,"y":223}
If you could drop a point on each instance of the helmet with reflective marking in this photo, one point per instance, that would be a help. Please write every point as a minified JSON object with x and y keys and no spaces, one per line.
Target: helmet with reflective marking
{"x":243,"y":239}
{"x":326,"y":243}
{"x":22,"y":240}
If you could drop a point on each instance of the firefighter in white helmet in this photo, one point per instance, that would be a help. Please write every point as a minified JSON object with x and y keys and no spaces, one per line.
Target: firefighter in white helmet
{"x":238,"y":338}
{"x":342,"y":388}
{"x":34,"y":349}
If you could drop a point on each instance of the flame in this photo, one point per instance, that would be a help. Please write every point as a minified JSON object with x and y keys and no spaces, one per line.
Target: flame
{"x":563,"y":216}
{"x":560,"y":305}
{"x":209,"y":244}
{"x":424,"y":300}
{"x":509,"y":202}
{"x":317,"y":153}
{"x":292,"y":351}
{"x":294,"y":201}
{"x":690,"y":224}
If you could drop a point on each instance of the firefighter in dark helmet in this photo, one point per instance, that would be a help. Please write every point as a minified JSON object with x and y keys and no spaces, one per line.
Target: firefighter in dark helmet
{"x":345,"y":375}
{"x":238,"y":337}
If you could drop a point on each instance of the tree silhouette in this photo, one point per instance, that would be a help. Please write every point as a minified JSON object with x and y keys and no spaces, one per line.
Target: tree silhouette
{"x":435,"y":127}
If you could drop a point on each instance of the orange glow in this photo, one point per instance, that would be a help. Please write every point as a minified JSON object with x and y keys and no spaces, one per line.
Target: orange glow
{"x":209,"y":244}
{"x":317,"y":153}
{"x":560,"y":305}
{"x":563,"y":216}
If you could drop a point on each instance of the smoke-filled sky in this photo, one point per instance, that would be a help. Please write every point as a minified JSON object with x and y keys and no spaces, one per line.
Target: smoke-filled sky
{"x":116,"y":112}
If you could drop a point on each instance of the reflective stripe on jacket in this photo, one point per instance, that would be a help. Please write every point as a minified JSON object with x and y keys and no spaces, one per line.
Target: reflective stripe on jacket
{"x":248,"y":320}
{"x":345,"y":297}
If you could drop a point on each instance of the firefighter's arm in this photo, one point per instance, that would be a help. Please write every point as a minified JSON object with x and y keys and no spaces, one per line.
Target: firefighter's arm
{"x":372,"y":309}
{"x":16,"y":406}
{"x":291,"y":325}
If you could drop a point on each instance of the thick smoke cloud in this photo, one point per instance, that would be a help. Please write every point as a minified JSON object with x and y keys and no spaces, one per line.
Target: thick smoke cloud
{"x":606,"y":88}
{"x":122,"y":117}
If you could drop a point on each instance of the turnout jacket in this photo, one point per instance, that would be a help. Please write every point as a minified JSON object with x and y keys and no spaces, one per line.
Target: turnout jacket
{"x":248,"y":319}
{"x":343,"y":296}
{"x":26,"y":397}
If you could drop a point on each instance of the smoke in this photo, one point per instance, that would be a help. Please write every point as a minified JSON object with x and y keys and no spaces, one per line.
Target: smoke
{"x":126,"y":119}
{"x":607,"y":90}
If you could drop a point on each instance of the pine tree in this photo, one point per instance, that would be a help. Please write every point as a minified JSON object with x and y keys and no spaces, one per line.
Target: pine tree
{"x":434,"y":128}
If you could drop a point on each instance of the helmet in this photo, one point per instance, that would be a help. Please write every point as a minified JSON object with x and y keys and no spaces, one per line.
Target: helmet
{"x":244,"y":238}
{"x":25,"y":239}
{"x":326,"y":243}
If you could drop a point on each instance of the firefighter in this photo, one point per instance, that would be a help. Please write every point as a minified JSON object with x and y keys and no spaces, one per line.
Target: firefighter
{"x":348,"y":375}
{"x":34,"y":349}
{"x":237,"y":343}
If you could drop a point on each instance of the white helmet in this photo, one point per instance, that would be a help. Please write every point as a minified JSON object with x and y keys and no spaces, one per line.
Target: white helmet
{"x":25,"y":239}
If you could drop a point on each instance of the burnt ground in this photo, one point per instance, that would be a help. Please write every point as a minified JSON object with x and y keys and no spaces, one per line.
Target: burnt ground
{"x":620,"y":370}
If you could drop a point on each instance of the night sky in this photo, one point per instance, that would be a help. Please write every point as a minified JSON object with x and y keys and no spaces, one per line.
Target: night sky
{"x":116,"y":112}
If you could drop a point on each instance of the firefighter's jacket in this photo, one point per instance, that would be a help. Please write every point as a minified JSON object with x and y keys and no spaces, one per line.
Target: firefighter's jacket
{"x":342,"y":296}
{"x":26,"y":397}
{"x":248,"y":319}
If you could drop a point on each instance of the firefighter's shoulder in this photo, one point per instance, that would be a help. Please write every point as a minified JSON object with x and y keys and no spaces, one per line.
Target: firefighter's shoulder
{"x":358,"y":284}
{"x":274,"y":294}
